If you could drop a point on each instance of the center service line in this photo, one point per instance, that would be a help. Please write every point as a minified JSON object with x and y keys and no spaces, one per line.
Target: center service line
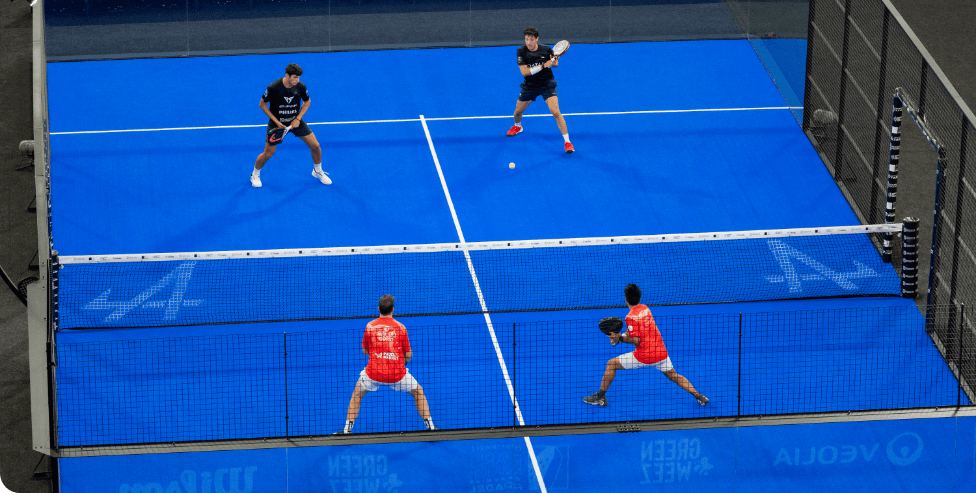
{"x":484,"y":307}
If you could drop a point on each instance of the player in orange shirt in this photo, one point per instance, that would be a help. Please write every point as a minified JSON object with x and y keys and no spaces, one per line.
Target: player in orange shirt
{"x":388,"y":347}
{"x":641,"y":332}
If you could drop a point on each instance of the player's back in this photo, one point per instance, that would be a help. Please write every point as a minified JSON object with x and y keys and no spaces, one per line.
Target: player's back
{"x":640,"y":323}
{"x":386,"y":342}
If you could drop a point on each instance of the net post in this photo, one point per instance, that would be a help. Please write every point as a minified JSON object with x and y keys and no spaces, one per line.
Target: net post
{"x":960,"y":323}
{"x":738,"y":396}
{"x":514,"y":381}
{"x":892,"y":192}
{"x":909,"y":258}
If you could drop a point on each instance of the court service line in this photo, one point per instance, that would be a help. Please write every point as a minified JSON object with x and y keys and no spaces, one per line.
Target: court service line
{"x":353,"y":122}
{"x":484,"y":307}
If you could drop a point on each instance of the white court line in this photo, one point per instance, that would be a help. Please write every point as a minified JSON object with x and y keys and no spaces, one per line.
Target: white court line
{"x":484,"y":307}
{"x":602,"y":113}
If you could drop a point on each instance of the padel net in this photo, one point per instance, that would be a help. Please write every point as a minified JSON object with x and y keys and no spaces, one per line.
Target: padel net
{"x":208,"y":288}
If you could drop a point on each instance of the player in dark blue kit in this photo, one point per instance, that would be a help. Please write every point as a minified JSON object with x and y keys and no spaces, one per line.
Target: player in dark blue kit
{"x":535,"y":61}
{"x":285,"y":102}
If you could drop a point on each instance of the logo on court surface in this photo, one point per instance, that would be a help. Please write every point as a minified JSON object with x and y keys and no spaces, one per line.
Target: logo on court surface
{"x":174,"y":284}
{"x":786,"y":255}
{"x":902,"y":450}
{"x":493,"y":470}
{"x":905,"y":449}
{"x":356,"y":472}
{"x":554,"y":467}
{"x":229,"y":480}
{"x":673,"y":461}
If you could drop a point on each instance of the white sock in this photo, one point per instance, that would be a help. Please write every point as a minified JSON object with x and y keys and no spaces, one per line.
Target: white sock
{"x":256,"y":172}
{"x":566,"y":138}
{"x":429,"y":423}
{"x":518,"y":124}
{"x":318,"y":167}
{"x":348,"y":428}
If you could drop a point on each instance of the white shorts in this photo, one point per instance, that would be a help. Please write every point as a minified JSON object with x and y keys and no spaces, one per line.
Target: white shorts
{"x":629,"y":362}
{"x":406,"y":384}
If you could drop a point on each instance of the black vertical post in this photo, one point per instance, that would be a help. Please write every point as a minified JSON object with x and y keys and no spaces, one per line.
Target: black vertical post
{"x":933,"y":261}
{"x":881,"y":108}
{"x":809,"y":71}
{"x":285,"y":342}
{"x":892,"y":193}
{"x":514,"y":394}
{"x":957,"y":222}
{"x":922,"y":88}
{"x":738,"y":396}
{"x":839,"y":155}
{"x":961,"y":324}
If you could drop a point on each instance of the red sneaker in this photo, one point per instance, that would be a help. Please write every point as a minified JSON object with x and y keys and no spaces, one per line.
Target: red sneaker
{"x":515,"y":130}
{"x":569,"y":148}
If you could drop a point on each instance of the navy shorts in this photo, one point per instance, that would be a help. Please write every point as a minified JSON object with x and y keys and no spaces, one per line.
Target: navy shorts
{"x":301,"y":131}
{"x":530,"y":93}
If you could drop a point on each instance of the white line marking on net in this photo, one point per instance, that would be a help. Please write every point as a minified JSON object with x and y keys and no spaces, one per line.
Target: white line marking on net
{"x":484,"y":307}
{"x":602,"y":113}
{"x":482,"y":245}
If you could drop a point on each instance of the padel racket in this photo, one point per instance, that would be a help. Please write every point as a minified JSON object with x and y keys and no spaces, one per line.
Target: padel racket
{"x":560,"y":48}
{"x":611,"y":325}
{"x":276,"y":134}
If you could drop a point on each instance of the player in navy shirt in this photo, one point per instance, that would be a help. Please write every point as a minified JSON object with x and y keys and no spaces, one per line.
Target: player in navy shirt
{"x":535,"y":61}
{"x":285,"y":102}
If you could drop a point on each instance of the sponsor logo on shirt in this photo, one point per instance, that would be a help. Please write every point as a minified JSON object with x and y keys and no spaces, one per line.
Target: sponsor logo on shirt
{"x":288,"y":100}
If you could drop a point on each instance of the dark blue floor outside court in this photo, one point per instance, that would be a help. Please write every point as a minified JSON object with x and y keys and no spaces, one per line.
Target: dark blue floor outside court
{"x":633,"y":173}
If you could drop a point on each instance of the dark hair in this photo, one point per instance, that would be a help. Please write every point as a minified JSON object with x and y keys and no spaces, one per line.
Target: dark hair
{"x":386,"y":304}
{"x":633,"y":294}
{"x":293,"y":69}
{"x":531,"y":31}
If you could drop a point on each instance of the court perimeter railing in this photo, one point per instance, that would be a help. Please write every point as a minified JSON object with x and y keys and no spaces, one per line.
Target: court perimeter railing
{"x":862,"y":55}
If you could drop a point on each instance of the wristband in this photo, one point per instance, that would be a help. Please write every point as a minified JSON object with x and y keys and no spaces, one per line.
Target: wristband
{"x":535,"y":70}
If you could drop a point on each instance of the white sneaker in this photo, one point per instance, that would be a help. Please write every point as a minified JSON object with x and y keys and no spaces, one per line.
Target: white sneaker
{"x":255,"y":181}
{"x":322,"y":176}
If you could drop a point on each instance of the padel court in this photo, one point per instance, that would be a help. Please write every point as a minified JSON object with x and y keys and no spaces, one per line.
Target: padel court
{"x":679,"y":137}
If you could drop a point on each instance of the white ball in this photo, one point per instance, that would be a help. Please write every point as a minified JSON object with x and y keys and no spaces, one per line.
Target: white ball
{"x":511,"y":165}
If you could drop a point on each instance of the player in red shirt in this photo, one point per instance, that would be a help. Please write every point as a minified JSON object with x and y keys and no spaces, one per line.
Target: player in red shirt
{"x":641,"y":332}
{"x":388,"y":347}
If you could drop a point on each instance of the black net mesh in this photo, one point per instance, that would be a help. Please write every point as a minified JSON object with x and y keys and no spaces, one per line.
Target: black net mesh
{"x":479,"y":376}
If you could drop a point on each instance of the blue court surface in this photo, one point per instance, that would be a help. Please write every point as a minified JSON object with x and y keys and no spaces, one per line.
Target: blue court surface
{"x":879,"y":457}
{"x":695,"y":138}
